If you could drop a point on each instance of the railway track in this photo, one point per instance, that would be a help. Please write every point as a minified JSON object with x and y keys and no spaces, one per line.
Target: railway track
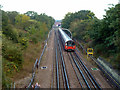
{"x":83,"y":75}
{"x":68,"y":70}
{"x":86,"y":75}
{"x":63,"y":68}
{"x":112,"y":81}
{"x":59,"y":69}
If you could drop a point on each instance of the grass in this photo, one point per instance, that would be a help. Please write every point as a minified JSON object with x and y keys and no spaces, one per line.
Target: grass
{"x":32,"y":53}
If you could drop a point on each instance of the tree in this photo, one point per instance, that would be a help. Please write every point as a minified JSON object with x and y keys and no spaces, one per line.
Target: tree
{"x":67,"y":20}
{"x":11,"y":16}
{"x":80,"y":15}
{"x":4,"y":19}
{"x":21,"y":20}
{"x":106,"y":32}
{"x":49,"y":21}
{"x":32,"y":14}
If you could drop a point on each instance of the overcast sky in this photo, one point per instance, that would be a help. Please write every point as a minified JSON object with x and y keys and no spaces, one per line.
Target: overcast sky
{"x":57,"y":8}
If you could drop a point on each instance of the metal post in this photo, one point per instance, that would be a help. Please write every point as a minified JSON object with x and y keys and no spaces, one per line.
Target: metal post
{"x":11,"y":85}
{"x":14,"y":85}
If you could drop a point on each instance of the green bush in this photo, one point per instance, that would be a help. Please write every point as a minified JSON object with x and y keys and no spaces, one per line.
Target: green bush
{"x":99,"y":49}
{"x":10,"y":33}
{"x":17,"y":31}
{"x":12,"y":52}
{"x":117,"y":61}
{"x":5,"y":81}
{"x":11,"y":67}
{"x":24,"y":42}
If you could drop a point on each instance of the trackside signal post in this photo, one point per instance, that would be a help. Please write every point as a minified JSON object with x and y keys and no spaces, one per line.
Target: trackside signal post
{"x":89,"y":51}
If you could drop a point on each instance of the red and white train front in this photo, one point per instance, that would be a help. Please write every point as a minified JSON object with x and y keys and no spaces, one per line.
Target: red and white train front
{"x":68,"y":43}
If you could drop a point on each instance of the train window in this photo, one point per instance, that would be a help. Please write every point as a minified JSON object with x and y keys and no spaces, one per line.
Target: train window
{"x":73,"y":43}
{"x":70,"y":43}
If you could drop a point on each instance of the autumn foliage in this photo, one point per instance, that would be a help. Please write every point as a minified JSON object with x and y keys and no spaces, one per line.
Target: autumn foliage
{"x":20,"y":31}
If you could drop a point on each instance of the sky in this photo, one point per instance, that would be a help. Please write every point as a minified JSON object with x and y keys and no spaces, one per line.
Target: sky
{"x":58,"y":8}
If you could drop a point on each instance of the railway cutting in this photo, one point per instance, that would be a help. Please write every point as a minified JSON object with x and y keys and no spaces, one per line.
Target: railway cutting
{"x":66,"y":68}
{"x":63,"y":66}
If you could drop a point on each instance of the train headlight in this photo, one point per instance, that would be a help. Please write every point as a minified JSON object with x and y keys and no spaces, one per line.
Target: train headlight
{"x":74,"y":47}
{"x":65,"y":47}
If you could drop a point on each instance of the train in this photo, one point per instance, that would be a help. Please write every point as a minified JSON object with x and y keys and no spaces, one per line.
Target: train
{"x":68,"y":43}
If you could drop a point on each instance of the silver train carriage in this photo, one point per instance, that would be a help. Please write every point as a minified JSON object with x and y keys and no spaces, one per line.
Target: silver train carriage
{"x":67,"y":42}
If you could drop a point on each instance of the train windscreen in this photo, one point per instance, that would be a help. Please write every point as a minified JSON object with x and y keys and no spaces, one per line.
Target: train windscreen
{"x":70,"y":43}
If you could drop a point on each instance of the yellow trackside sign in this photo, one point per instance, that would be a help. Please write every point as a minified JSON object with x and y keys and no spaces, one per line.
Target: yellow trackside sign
{"x":89,"y":51}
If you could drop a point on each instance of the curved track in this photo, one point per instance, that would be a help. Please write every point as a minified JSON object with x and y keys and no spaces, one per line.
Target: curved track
{"x":67,"y":70}
{"x":84,"y":77}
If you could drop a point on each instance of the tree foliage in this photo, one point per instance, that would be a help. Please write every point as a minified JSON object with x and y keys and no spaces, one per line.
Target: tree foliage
{"x":31,"y":14}
{"x":107,"y":30}
{"x":12,"y":16}
{"x":21,"y":20}
{"x":103,"y":35}
{"x":19,"y":31}
{"x":80,"y":15}
{"x":48,"y":20}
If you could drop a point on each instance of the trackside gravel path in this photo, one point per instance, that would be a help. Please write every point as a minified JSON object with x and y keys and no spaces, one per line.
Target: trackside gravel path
{"x":44,"y":76}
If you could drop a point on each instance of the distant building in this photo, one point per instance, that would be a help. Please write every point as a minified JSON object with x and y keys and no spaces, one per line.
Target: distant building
{"x":58,"y":24}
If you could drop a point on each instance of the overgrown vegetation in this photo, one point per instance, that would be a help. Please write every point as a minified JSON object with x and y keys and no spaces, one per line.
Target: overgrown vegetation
{"x":103,"y":35}
{"x":19,"y":32}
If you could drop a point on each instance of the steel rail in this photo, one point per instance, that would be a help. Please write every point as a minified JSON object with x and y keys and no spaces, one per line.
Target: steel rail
{"x":57,"y":71}
{"x":80,"y":71}
{"x":63,"y":77}
{"x":113,"y":81}
{"x":63,"y":74}
{"x":66,"y":78}
{"x":75,"y":72}
{"x":87,"y":71}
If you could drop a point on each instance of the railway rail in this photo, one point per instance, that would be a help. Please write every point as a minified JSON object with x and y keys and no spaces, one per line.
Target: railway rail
{"x":108,"y":75}
{"x":63,"y":68}
{"x":87,"y":78}
{"x":61,"y":71}
{"x":91,"y":79}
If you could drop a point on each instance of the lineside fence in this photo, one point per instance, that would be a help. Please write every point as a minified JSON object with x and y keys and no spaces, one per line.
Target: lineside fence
{"x":37,"y":62}
{"x":111,"y":75}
